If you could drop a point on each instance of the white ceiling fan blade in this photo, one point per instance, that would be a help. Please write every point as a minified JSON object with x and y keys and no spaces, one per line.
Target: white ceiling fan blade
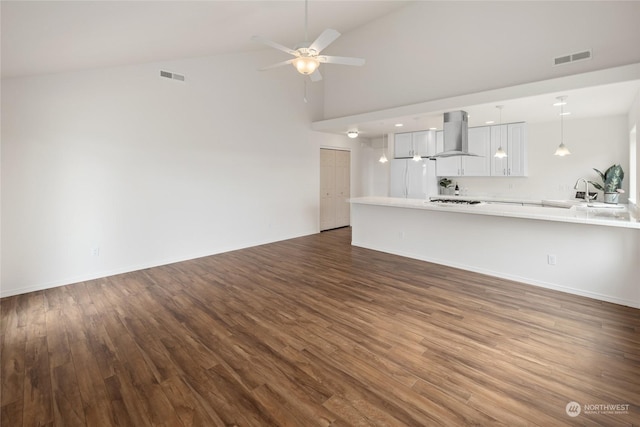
{"x":315,"y":76}
{"x":273,"y":44}
{"x":279,"y":64}
{"x":343,"y":60}
{"x":327,"y":37}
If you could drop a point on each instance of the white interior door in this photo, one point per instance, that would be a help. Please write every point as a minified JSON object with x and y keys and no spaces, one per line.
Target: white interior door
{"x":335,"y":185}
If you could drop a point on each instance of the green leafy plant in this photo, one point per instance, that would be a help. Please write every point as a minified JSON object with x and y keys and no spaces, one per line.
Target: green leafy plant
{"x":445,"y":182}
{"x":611,"y":179}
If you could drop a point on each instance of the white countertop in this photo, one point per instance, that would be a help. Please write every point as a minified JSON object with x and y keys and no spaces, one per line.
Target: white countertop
{"x":529,"y":209}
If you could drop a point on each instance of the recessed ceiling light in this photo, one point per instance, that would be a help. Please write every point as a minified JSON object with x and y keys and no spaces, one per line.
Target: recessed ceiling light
{"x":433,"y":128}
{"x":559,"y":103}
{"x":352,"y":134}
{"x":489,"y":122}
{"x":399,"y":125}
{"x":566,"y":113}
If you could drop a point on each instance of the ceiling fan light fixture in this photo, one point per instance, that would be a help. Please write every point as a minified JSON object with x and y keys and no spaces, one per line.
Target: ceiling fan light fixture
{"x":306,"y":64}
{"x":352,"y":134}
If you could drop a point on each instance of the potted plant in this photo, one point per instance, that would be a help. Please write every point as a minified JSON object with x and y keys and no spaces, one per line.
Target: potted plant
{"x":611,"y":183}
{"x":444,"y":184}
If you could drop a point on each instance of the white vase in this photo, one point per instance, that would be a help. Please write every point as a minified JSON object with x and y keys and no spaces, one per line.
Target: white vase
{"x":611,"y":198}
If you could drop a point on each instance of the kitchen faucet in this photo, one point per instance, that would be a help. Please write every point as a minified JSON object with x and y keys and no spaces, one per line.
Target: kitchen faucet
{"x":586,"y":189}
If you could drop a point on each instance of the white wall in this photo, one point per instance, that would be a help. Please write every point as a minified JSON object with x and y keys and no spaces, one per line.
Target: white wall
{"x":434,"y":49}
{"x":593,"y":142}
{"x":149,"y":171}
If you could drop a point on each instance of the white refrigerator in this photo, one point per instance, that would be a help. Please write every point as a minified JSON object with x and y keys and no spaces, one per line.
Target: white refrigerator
{"x":413,"y":180}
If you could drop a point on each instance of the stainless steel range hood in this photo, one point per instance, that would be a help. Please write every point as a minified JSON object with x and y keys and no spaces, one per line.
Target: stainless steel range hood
{"x":456,"y":133}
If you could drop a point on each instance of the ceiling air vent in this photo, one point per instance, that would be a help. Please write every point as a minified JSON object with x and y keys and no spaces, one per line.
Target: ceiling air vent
{"x":572,"y":57}
{"x":170,"y":75}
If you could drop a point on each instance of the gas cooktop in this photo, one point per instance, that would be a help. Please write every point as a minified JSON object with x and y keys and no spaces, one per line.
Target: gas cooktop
{"x":456,"y":201}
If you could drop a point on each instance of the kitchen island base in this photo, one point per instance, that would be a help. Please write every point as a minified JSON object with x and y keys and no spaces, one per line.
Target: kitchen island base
{"x":595,"y":261}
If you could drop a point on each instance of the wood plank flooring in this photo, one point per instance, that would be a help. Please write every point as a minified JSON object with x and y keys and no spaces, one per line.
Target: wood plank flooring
{"x":312,"y":331}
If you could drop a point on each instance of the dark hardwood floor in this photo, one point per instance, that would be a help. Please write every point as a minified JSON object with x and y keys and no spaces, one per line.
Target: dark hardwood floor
{"x":313,"y":331}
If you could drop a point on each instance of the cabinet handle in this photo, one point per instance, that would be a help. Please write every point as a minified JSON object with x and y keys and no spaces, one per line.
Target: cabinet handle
{"x":509,"y":171}
{"x":504,"y":171}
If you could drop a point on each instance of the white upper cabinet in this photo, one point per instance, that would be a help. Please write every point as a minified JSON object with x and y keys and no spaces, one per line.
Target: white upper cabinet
{"x":402,"y":145}
{"x":518,"y":149}
{"x":513,"y":138}
{"x":407,"y":144}
{"x":479,"y":143}
{"x":484,"y":141}
{"x":425,"y":142}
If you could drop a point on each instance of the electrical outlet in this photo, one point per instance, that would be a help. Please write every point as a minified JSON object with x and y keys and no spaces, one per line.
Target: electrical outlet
{"x":402,"y":234}
{"x":551,"y":259}
{"x":95,"y":251}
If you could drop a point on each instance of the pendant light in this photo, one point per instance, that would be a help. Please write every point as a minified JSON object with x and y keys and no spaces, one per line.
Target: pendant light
{"x":500,"y":153}
{"x":383,"y":158}
{"x":562,"y":149}
{"x":416,"y":155}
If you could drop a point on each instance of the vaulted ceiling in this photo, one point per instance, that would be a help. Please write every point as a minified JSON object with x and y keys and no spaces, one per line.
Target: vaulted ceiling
{"x":56,"y":36}
{"x":39,"y":37}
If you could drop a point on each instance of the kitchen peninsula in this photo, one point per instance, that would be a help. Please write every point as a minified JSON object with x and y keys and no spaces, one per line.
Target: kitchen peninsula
{"x":581,"y":250}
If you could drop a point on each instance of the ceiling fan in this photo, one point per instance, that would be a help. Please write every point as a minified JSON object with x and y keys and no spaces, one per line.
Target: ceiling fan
{"x":307,"y":56}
